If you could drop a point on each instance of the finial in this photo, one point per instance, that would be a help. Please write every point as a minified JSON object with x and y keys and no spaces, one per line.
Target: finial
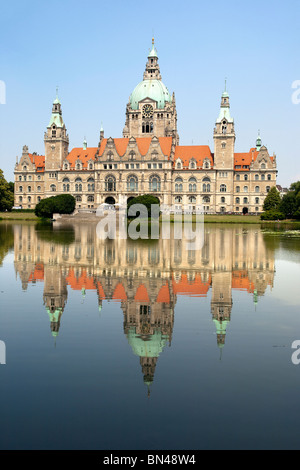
{"x":153,"y":40}
{"x":57,"y":92}
{"x":225,"y":83}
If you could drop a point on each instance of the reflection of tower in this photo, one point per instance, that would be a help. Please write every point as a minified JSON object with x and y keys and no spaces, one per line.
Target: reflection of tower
{"x":55,"y":296}
{"x":221,"y":304}
{"x":148,"y":321}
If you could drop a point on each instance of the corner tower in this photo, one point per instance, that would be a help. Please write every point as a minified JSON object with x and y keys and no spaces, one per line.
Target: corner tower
{"x":151,"y":110}
{"x":224,"y":136}
{"x":56,"y":139}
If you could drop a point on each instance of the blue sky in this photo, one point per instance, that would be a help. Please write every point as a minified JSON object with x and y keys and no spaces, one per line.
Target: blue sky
{"x":96,"y":53}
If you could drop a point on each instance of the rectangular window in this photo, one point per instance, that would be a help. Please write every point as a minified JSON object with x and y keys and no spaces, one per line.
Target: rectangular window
{"x":126,"y":166}
{"x":137,"y":166}
{"x":105,"y":167}
{"x":149,"y":166}
{"x":115,"y":166}
{"x":132,"y":165}
{"x":160,"y":165}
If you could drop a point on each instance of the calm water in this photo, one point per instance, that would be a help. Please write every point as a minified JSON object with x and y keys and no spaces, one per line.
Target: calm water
{"x":146,"y":345}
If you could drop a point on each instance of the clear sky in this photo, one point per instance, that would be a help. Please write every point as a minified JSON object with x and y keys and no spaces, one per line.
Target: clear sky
{"x":96,"y":51}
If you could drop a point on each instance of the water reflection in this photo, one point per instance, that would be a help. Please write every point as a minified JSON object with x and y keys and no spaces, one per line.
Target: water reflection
{"x":145,"y":277}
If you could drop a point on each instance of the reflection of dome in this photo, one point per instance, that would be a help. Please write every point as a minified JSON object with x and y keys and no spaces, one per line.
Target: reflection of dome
{"x":153,"y":89}
{"x":152,"y":347}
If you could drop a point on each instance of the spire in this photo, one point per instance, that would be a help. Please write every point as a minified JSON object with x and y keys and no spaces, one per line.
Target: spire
{"x":152,"y":68}
{"x":225,"y":106}
{"x":56,"y":117}
{"x":258,"y":142}
{"x":85,"y":144}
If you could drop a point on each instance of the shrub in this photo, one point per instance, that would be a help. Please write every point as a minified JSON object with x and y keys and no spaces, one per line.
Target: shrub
{"x":272,"y":215}
{"x":146,"y":200}
{"x":61,"y":204}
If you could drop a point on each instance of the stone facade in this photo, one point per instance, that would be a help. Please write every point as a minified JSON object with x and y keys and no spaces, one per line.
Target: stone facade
{"x":149,"y":160}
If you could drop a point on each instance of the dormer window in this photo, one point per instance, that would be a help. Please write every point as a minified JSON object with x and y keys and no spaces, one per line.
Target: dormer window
{"x":192,"y":164}
{"x":178,"y":165}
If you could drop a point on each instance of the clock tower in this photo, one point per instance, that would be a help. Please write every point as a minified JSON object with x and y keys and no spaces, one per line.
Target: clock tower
{"x":151,"y":110}
{"x":56,"y":139}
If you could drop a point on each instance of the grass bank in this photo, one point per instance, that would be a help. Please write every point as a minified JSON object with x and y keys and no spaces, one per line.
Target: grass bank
{"x":18,"y":216}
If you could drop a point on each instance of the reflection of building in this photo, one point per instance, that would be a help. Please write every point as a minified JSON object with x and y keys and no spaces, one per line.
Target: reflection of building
{"x":149,"y":159}
{"x":146,"y":277}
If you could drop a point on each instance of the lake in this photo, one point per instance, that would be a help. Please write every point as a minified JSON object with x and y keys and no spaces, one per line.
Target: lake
{"x":121,"y":344}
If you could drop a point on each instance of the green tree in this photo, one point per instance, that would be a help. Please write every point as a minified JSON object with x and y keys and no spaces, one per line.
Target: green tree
{"x":272,"y":200}
{"x":146,"y":200}
{"x":6,"y":196}
{"x":61,"y":204}
{"x":290,"y":204}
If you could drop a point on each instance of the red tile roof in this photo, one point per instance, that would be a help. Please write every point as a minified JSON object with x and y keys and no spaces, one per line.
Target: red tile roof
{"x":39,"y":161}
{"x":196,"y":152}
{"x":83,"y":155}
{"x":119,"y":293}
{"x":196,"y":288}
{"x":164,"y":294}
{"x":141,"y":294}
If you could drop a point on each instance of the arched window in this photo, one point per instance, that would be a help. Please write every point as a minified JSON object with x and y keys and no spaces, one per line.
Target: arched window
{"x":178,"y":199}
{"x":154,"y":183}
{"x":263,"y":177}
{"x":110,"y":183}
{"x":78,"y":198}
{"x":21,"y":189}
{"x":206,"y":179}
{"x":29,"y":189}
{"x":39,"y":188}
{"x":178,"y":185}
{"x":90,"y":166}
{"x":20,"y":199}
{"x":245,"y":189}
{"x":192,"y":164}
{"x":224,"y":127}
{"x":245,"y":200}
{"x":237,"y":200}
{"x":78,"y":166}
{"x":132,"y":183}
{"x":29,"y":198}
{"x":192,"y":199}
{"x":237,"y":189}
{"x":256,"y":177}
{"x":66,"y":187}
{"x":66,"y":180}
{"x":206,"y":164}
{"x":53,"y":188}
{"x":91,"y":184}
{"x":178,"y":164}
{"x":257,"y":189}
{"x":269,"y":177}
{"x":206,"y":187}
{"x":268,"y":189}
{"x":257,"y":200}
{"x":206,"y":199}
{"x":223,"y":199}
{"x":192,"y":185}
{"x":238,"y":177}
{"x":246,"y":177}
{"x":223,"y":188}
{"x":53,"y":131}
{"x":90,"y":198}
{"x":263,"y":166}
{"x":39,"y":199}
{"x":66,"y":166}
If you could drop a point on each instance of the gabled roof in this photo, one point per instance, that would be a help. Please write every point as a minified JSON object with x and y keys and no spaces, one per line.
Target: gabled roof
{"x":197,"y":287}
{"x":38,"y":161}
{"x":143,"y":144}
{"x":83,"y":155}
{"x":245,"y":159}
{"x":197,"y":152}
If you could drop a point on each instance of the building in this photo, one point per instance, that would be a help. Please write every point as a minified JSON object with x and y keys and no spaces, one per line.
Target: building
{"x":148,"y":159}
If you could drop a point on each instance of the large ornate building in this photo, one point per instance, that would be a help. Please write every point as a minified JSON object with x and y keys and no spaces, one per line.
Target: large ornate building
{"x":148,"y":159}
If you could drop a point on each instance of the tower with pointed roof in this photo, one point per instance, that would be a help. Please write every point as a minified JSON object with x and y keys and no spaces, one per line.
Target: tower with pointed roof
{"x":151,"y":110}
{"x":56,"y":139}
{"x":224,"y":140}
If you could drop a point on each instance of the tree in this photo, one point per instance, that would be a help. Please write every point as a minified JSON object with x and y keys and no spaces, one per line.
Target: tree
{"x":146,"y":200}
{"x":6,"y":196}
{"x":272,"y":200}
{"x":61,"y":204}
{"x":290,"y":204}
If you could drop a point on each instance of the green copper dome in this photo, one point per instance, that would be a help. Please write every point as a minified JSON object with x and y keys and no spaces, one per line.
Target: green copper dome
{"x":151,"y":348}
{"x":153,"y":89}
